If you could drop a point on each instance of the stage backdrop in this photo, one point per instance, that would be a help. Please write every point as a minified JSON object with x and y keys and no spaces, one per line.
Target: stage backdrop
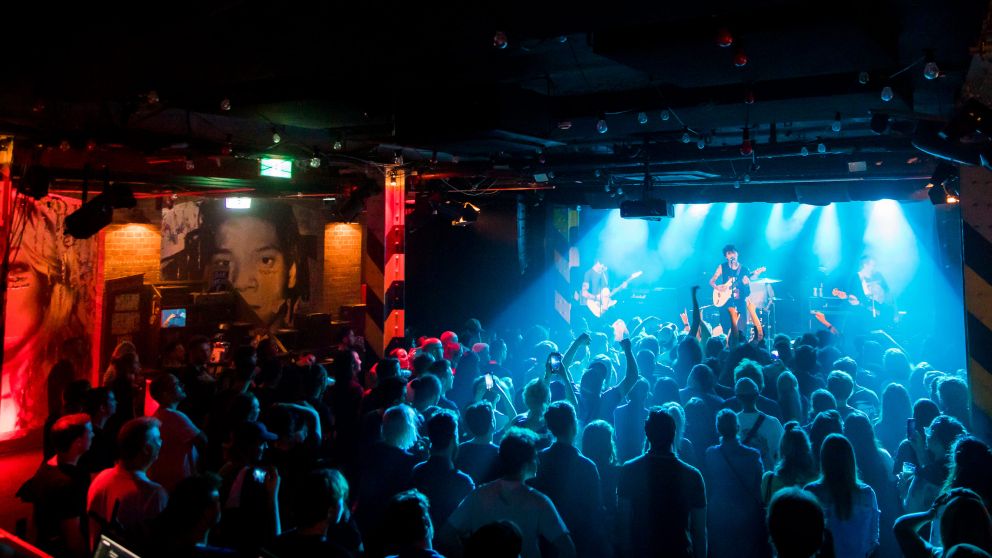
{"x":52,"y":310}
{"x":267,"y":253}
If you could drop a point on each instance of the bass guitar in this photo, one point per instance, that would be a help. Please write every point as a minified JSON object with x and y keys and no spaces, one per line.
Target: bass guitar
{"x":603,"y":300}
{"x":722,"y":296}
{"x":871,"y":306}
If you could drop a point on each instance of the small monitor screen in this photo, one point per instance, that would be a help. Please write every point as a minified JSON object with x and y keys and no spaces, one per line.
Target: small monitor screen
{"x":174,"y":317}
{"x":107,"y":548}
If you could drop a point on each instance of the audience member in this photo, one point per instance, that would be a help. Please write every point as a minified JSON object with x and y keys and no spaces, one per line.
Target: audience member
{"x":851,"y":510}
{"x":796,"y":524}
{"x":437,"y":478}
{"x":58,"y":489}
{"x":796,"y":466}
{"x":407,"y":527}
{"x":510,"y":499}
{"x":122,"y":499}
{"x":478,"y":457}
{"x":662,"y":501}
{"x":182,"y":441}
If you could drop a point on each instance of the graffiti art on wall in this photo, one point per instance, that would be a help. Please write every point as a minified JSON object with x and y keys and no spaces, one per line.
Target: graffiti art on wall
{"x":266,"y":253}
{"x":52,"y":291}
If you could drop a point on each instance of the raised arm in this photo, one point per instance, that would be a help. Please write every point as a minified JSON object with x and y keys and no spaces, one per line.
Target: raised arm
{"x":582,"y":339}
{"x":697,"y":316}
{"x":632,"y":374}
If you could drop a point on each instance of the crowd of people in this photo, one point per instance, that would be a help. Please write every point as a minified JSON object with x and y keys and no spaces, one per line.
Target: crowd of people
{"x":661,"y":441}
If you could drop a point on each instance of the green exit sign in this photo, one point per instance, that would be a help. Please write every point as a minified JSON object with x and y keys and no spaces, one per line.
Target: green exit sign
{"x":277,"y":168}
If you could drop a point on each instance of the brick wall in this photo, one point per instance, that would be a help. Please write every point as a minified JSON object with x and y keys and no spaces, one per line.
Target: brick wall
{"x":342,"y":266}
{"x":130,"y":249}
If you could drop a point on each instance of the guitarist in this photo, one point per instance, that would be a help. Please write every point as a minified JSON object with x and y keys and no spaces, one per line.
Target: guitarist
{"x":593,"y":283}
{"x":741,"y":287}
{"x":869,"y":291}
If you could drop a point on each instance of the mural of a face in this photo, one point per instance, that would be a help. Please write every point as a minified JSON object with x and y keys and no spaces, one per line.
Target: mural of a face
{"x":50,"y":299}
{"x":26,"y":294}
{"x":257,"y":268}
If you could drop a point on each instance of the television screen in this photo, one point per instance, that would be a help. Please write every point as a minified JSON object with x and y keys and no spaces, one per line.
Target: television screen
{"x":174,"y":317}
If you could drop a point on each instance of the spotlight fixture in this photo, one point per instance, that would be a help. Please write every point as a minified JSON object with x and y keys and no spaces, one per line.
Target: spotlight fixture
{"x":740,"y":58}
{"x":686,"y":137}
{"x":887,"y":94}
{"x":836,"y":125}
{"x":804,"y":151}
{"x":97,"y":213}
{"x":747,"y":148}
{"x":642,"y":118}
{"x":863,"y":78}
{"x":338,"y":145}
{"x":724,"y":38}
{"x":398,"y":157}
{"x":930,"y":69}
{"x":314,"y":162}
{"x":392,"y":179}
{"x":601,"y":126}
{"x":276,"y":138}
{"x":225,"y":104}
{"x":500,"y":41}
{"x":701,"y":143}
{"x":35,"y":182}
{"x":665,"y":115}
{"x":821,"y":147}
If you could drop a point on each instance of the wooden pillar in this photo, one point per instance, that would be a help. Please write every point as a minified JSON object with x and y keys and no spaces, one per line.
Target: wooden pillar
{"x":384,"y":262}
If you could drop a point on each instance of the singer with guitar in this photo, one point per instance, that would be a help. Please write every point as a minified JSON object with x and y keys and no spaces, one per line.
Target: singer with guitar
{"x":731,"y":284}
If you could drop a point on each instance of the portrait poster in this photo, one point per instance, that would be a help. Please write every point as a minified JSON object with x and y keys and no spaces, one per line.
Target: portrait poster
{"x":267,"y":254}
{"x":51,"y":311}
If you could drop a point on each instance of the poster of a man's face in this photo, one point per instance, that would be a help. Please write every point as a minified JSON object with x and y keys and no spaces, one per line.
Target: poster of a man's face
{"x":51,"y":300}
{"x":262,"y":253}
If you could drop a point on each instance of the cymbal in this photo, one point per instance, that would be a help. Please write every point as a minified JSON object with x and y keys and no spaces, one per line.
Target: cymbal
{"x":765,"y":281}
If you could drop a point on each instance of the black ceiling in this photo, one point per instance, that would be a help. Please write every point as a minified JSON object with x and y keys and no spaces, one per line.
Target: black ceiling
{"x":426,"y":80}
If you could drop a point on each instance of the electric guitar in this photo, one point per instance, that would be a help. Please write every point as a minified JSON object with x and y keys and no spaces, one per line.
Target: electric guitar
{"x":603,"y":301}
{"x":722,"y":296}
{"x":874,"y":308}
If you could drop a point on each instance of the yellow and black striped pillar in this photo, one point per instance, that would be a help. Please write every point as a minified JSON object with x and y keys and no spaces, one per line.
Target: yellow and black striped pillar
{"x":565,"y":223}
{"x":976,"y":213}
{"x":384,"y":263}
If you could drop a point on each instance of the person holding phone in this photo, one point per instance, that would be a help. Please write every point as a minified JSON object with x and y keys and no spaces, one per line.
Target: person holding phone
{"x":594,"y":402}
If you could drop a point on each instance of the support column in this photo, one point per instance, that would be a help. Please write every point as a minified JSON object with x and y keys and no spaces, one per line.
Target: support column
{"x":384,"y":263}
{"x":976,"y":212}
{"x":565,"y":222}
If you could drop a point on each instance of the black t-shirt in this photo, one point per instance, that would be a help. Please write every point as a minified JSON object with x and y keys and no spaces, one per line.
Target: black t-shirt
{"x":572,"y":482}
{"x":662,"y":492}
{"x":443,"y":484}
{"x":479,"y":461}
{"x":58,"y":493}
{"x":738,"y":274}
